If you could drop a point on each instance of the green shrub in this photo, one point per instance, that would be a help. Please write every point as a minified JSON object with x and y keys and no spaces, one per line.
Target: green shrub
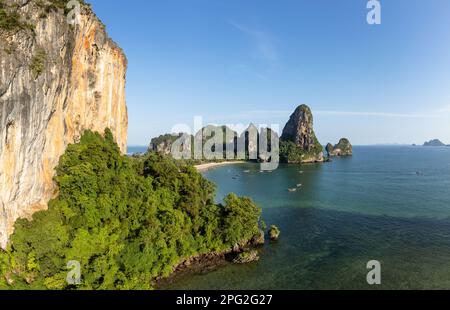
{"x":291,"y":153}
{"x":10,"y":19}
{"x":52,"y":5}
{"x":37,"y":64}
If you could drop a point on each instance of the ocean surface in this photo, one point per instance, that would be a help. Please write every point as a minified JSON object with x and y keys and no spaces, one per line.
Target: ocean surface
{"x":132,"y":149}
{"x":390,"y":204}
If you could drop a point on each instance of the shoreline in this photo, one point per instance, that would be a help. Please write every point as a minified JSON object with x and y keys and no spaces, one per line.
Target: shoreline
{"x":208,"y":166}
{"x":206,"y":262}
{"x":202,"y":263}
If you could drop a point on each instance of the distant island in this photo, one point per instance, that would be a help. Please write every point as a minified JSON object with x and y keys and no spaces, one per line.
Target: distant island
{"x":343,"y":148}
{"x":434,"y":142}
{"x":298,"y":142}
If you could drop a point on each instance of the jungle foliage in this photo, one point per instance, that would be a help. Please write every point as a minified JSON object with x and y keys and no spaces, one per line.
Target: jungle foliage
{"x":127,"y":221}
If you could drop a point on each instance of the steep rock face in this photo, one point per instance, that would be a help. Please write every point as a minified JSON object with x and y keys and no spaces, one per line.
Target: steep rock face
{"x":163,"y":144}
{"x":250,"y":136}
{"x":235,"y":146}
{"x":258,"y":144}
{"x":343,"y":148}
{"x":299,"y":142}
{"x":205,"y":137}
{"x":330,"y":149}
{"x":56,"y":80}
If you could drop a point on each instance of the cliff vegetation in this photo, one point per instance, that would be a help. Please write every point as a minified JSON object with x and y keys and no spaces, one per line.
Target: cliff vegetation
{"x":10,"y":18}
{"x":127,"y":221}
{"x":343,"y":148}
{"x":299,"y":143}
{"x":57,"y":80}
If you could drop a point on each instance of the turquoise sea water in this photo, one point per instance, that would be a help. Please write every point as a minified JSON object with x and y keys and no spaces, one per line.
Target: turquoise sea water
{"x":390,"y":204}
{"x":133,"y":149}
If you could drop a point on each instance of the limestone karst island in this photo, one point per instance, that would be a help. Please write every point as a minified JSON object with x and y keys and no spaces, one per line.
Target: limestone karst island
{"x":300,"y":176}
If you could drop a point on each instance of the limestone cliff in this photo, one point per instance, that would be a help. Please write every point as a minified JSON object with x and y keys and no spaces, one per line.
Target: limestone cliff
{"x":250,"y":137}
{"x":56,"y":80}
{"x":180,"y":145}
{"x":235,"y":146}
{"x":163,"y":144}
{"x":299,"y":143}
{"x":343,"y":148}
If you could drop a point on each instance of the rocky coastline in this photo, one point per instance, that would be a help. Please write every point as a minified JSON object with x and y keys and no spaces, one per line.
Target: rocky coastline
{"x":204,"y":263}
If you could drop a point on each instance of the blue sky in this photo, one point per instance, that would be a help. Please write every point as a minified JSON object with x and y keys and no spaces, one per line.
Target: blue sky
{"x":241,"y":61}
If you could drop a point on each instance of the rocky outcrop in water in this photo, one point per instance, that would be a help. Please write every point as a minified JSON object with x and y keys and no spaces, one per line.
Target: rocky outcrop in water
{"x":435,"y":142}
{"x":274,"y":233}
{"x":343,"y":148}
{"x":246,"y":257}
{"x":299,"y":143}
{"x":56,"y":81}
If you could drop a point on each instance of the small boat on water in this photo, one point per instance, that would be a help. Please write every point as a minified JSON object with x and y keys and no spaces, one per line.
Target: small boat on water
{"x":299,"y":185}
{"x":292,"y":189}
{"x":246,"y":171}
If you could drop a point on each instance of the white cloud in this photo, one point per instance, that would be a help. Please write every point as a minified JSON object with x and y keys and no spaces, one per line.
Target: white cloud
{"x":444,"y":109}
{"x":263,"y":40}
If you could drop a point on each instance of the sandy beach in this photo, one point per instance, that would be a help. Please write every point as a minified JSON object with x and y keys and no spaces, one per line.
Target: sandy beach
{"x":204,"y":167}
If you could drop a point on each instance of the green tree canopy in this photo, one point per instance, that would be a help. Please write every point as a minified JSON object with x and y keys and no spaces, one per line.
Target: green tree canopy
{"x":127,"y":221}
